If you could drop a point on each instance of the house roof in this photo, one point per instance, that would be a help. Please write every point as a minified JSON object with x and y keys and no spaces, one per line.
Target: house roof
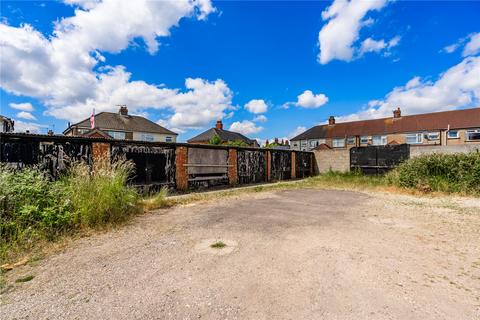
{"x":116,"y":121}
{"x":456,"y":119}
{"x":225,"y":135}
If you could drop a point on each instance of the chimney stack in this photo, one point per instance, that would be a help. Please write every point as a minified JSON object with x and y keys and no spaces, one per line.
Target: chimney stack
{"x":50,"y":132}
{"x":397,"y":113}
{"x":219,"y":125}
{"x":331,"y":120}
{"x":123,"y":110}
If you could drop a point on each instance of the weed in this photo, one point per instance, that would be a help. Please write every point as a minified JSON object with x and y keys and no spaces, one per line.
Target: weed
{"x":218,"y":245}
{"x":159,"y":200}
{"x":24,"y":279}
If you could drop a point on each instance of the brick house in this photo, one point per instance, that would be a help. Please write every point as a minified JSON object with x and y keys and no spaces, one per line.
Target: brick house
{"x":439,"y":128}
{"x":122,"y":126}
{"x":224,"y":135}
{"x":6,"y":124}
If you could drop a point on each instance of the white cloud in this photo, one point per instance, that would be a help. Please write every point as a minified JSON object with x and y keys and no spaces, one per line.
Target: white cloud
{"x":344,"y":19}
{"x":371,"y":45}
{"x":26,"y":115}
{"x":457,"y":87}
{"x":260,"y":118}
{"x":26,"y":106}
{"x":67,"y":71}
{"x":297,"y":131}
{"x":245,"y":127}
{"x":256,"y":106}
{"x":310,"y":100}
{"x":473,"y":45}
{"x":470,"y":44}
{"x":21,"y":126}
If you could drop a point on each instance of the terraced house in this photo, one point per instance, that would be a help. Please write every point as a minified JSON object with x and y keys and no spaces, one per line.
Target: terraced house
{"x":121,"y":126}
{"x":438,"y":128}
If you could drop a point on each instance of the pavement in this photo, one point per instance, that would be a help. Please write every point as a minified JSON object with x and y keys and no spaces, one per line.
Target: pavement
{"x":294,"y":254}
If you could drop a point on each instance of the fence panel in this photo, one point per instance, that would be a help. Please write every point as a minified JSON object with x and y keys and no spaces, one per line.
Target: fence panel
{"x":207,"y":167}
{"x":303,"y":164}
{"x":281,"y":165}
{"x":154,"y":165}
{"x":378,"y":159}
{"x":251,"y":166}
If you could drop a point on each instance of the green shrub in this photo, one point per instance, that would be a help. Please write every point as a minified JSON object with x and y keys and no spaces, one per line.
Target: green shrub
{"x":32,"y":207}
{"x":440,"y":172}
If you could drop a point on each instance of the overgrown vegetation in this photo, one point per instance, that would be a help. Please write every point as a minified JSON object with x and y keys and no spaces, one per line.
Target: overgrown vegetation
{"x":453,"y":173}
{"x":33,"y":208}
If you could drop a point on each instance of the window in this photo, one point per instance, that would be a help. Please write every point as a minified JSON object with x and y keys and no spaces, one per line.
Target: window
{"x":313,"y":143}
{"x":432,"y":136}
{"x":414,"y":138}
{"x":379,"y":140}
{"x":147,"y":137}
{"x":82,"y":131}
{"x":295,"y":144}
{"x":338,"y":142}
{"x":303,"y":143}
{"x":116,"y":134}
{"x":453,"y":134}
{"x":364,"y":139}
{"x":351,"y":140}
{"x":168,"y":139}
{"x":473,"y":135}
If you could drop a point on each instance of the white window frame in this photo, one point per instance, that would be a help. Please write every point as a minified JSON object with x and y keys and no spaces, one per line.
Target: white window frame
{"x":351,"y":140}
{"x":338,"y":142}
{"x":467,"y":134}
{"x":382,"y":142}
{"x":363,"y":138}
{"x":432,"y":136}
{"x":119,"y":135}
{"x":147,"y":137}
{"x":168,"y":139}
{"x":457,"y":134}
{"x":313,"y":143}
{"x":417,"y":136}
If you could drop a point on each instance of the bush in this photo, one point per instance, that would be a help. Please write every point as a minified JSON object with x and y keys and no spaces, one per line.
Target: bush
{"x":32,"y":207}
{"x":440,"y":172}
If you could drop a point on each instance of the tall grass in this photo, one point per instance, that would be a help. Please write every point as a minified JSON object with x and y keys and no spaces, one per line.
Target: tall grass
{"x":34,"y":208}
{"x":456,"y":173}
{"x":101,"y":196}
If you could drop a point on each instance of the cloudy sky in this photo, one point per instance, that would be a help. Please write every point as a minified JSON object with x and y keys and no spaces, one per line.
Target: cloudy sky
{"x":268,"y":69}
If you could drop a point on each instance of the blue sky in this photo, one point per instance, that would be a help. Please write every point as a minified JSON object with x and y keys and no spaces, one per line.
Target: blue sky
{"x":299,"y":62}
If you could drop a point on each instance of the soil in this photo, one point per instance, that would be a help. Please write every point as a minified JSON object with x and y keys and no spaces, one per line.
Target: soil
{"x":295,"y":254}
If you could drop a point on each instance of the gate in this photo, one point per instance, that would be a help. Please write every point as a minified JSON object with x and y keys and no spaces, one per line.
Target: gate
{"x":378,"y":159}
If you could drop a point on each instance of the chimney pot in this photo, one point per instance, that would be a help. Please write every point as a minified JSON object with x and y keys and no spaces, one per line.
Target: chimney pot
{"x":397,"y":113}
{"x":123,"y":110}
{"x":219,"y":125}
{"x":331,"y":120}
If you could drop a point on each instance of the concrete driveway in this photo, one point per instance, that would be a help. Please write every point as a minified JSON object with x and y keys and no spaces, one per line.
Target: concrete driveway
{"x":297,"y":254}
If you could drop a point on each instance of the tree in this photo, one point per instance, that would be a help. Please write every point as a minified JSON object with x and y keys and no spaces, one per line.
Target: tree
{"x":215,"y":140}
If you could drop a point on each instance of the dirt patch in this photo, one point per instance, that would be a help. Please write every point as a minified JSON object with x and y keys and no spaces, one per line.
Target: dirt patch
{"x":298,"y":254}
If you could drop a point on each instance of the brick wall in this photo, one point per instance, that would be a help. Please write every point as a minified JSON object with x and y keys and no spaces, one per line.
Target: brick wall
{"x":181,"y":173}
{"x":100,"y":151}
{"x":335,"y":159}
{"x":232,"y":167}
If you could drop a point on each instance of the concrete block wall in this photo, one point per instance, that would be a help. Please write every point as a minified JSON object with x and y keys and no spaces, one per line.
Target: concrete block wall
{"x":416,"y":151}
{"x":333,"y":159}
